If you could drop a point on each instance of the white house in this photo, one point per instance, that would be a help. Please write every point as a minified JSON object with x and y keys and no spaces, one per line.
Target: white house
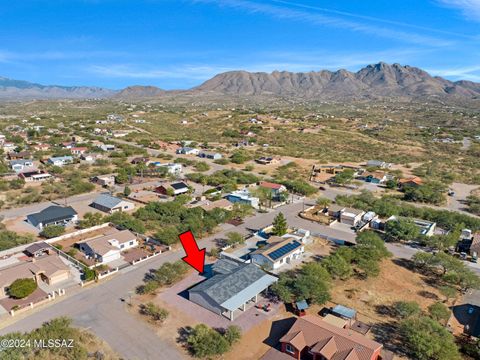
{"x":60,"y":160}
{"x":35,"y":176}
{"x":8,"y":147}
{"x":108,"y":248}
{"x":210,"y":155}
{"x":111,"y":204}
{"x":351,"y":216}
{"x":172,"y":168}
{"x":243,"y":197}
{"x":188,"y":151}
{"x":278,"y":252}
{"x":21,"y":165}
{"x":107,"y":147}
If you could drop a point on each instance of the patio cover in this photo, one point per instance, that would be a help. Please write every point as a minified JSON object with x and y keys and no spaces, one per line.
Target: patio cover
{"x":344,"y":311}
{"x":249,"y":292}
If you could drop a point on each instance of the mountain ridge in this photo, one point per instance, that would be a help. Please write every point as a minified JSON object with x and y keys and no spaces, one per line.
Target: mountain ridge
{"x":377,"y":80}
{"x":11,"y":89}
{"x":373,"y":81}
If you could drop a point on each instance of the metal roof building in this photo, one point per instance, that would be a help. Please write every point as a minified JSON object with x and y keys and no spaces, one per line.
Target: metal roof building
{"x":52,"y":215}
{"x":232,"y":286}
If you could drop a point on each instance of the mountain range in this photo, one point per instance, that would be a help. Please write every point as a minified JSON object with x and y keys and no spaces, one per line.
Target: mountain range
{"x":371,"y":82}
{"x":20,"y":90}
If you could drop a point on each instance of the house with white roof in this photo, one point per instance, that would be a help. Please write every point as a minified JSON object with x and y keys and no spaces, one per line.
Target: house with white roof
{"x":60,"y":160}
{"x":111,"y":204}
{"x":243,"y":197}
{"x":21,"y":165}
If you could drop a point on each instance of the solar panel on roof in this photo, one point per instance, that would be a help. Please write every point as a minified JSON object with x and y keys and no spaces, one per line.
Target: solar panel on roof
{"x":285,"y":249}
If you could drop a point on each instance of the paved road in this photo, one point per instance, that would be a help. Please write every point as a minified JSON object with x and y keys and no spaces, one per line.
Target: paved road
{"x":26,"y":210}
{"x":455,"y":203}
{"x":99,"y":308}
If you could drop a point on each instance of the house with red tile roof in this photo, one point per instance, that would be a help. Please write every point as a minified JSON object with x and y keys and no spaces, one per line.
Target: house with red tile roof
{"x":313,"y":338}
{"x":276,"y":189}
{"x":414,"y":181}
{"x":78,"y":150}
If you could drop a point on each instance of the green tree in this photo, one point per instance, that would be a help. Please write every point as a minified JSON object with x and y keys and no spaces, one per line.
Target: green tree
{"x":233,"y":334}
{"x":427,"y":339}
{"x":127,"y":221}
{"x":391,"y":184}
{"x":402,"y":229}
{"x":90,"y":219}
{"x":234,"y":238}
{"x":206,"y":342}
{"x":406,"y":309}
{"x":240,"y":156}
{"x":280,"y":225}
{"x":338,"y":267}
{"x":168,"y":235}
{"x":10,"y":239}
{"x":370,"y":250}
{"x":312,"y":284}
{"x":345,"y":177}
{"x":202,"y":166}
{"x":283,"y":288}
{"x":122,"y":176}
{"x":448,"y":291}
{"x":439,"y":312}
{"x":21,"y":288}
{"x":323,"y":202}
{"x":127,"y":191}
{"x":52,"y":231}
{"x":264,"y":195}
{"x":154,"y":311}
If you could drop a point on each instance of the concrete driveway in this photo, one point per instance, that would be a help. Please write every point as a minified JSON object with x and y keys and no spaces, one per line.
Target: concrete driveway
{"x":457,"y":202}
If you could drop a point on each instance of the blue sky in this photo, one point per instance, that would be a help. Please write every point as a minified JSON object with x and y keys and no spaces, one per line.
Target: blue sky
{"x":176,"y":44}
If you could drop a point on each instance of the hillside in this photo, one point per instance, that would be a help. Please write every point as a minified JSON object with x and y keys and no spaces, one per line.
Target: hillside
{"x":139,"y":92}
{"x":374,"y":81}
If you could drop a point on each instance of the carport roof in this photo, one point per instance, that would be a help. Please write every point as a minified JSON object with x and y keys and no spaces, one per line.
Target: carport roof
{"x":249,"y":292}
{"x":235,"y":286}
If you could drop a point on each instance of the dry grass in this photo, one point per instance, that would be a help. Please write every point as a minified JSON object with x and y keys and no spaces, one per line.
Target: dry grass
{"x":395,"y":283}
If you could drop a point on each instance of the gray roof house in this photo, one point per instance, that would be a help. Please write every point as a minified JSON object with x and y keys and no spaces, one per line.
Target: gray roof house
{"x":232,"y":286}
{"x":53,"y":215}
{"x":110,"y":204}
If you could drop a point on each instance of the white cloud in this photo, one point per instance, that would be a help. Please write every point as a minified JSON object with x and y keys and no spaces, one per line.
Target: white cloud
{"x":471,"y":73}
{"x":469,"y":8}
{"x":373,"y":19}
{"x":194,"y":72}
{"x":288,"y":13}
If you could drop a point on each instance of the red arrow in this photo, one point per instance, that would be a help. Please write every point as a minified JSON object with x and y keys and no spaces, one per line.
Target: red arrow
{"x":195,"y":257}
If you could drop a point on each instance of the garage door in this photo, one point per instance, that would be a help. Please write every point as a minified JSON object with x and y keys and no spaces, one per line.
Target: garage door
{"x":59,"y":277}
